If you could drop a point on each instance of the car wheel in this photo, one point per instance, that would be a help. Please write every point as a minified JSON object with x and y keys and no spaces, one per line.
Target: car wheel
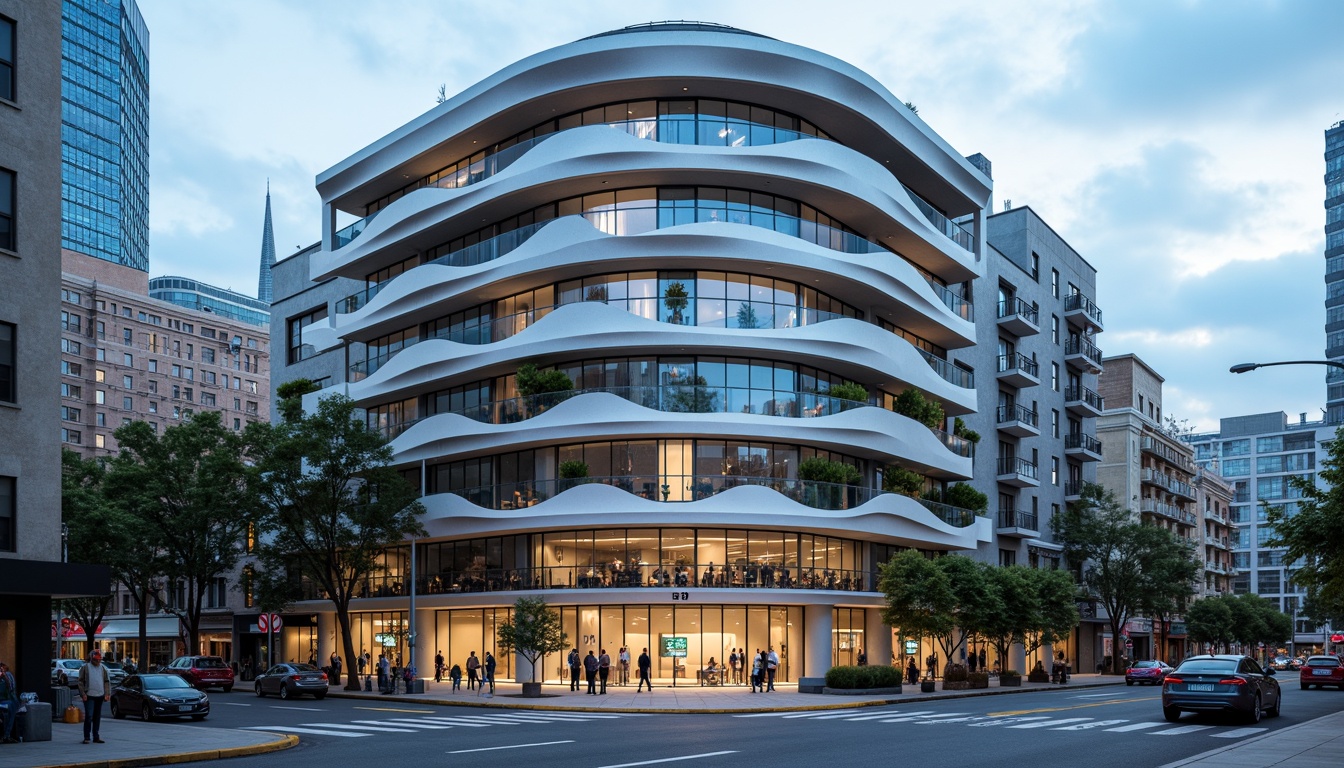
{"x":146,"y":713}
{"x":260,"y":693}
{"x":228,"y":689}
{"x":1129,"y":682}
{"x":116,"y":710}
{"x":284,"y":693}
{"x":198,"y":717}
{"x":1305,"y":686}
{"x":1172,"y":714}
{"x":319,"y":696}
{"x":1257,"y":710}
{"x":1278,"y":705}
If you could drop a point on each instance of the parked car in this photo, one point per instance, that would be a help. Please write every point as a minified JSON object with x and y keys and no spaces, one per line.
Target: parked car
{"x":1285,"y":663}
{"x":202,"y":671}
{"x":116,"y":674}
{"x":1147,"y":672}
{"x":152,"y":696}
{"x":66,"y":672}
{"x":290,"y":680}
{"x":1321,"y":671}
{"x":1220,"y":684}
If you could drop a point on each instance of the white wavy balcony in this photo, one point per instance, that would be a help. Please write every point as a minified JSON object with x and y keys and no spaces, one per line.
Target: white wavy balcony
{"x":865,"y":432}
{"x":573,"y":245}
{"x":821,"y":173}
{"x":887,"y":517}
{"x":851,"y":348}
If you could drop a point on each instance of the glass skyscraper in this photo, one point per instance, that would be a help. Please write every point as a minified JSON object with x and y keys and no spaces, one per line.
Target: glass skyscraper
{"x":105,"y":131}
{"x":1334,"y":269}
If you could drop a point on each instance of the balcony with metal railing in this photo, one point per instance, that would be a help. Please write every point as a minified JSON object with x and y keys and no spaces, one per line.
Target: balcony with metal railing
{"x":1081,"y":401}
{"x":1018,"y":421}
{"x":1018,"y":472}
{"x":1167,"y":482}
{"x":1018,"y":523}
{"x":1082,"y":354}
{"x":1073,"y":491}
{"x":1155,"y":447}
{"x":1079,"y":310}
{"x":1019,"y":317}
{"x":1018,"y":370}
{"x":1082,"y":446}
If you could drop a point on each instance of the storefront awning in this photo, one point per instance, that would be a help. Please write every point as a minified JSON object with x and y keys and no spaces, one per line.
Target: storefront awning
{"x":156,"y":627}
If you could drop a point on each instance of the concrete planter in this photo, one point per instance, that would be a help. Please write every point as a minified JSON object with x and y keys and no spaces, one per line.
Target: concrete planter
{"x":1010,"y":681}
{"x":531,"y":690}
{"x":861,"y":691}
{"x":960,"y":685}
{"x":927,"y":686}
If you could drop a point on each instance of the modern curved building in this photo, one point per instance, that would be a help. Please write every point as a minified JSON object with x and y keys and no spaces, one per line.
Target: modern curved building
{"x":710,"y":234}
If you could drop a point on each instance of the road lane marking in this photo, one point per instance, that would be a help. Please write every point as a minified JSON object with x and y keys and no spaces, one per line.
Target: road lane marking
{"x":394,"y":709}
{"x":1134,"y":727}
{"x":1088,"y":726}
{"x":1181,"y":730}
{"x":788,"y":714}
{"x":301,"y":709}
{"x":455,"y":721}
{"x":1051,"y":722}
{"x":296,"y":729}
{"x":407,"y":722}
{"x":672,"y":759}
{"x":353,"y":727}
{"x":1099,"y":695}
{"x":817,"y":714}
{"x":943,"y":720}
{"x":510,"y":746}
{"x":888,"y":713}
{"x":1238,"y":733}
{"x":1008,"y":721}
{"x":1075,"y":706}
{"x":232,"y":704}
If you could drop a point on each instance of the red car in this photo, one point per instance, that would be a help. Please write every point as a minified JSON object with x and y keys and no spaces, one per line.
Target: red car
{"x":1150,"y":672}
{"x":1321,"y":671}
{"x":202,"y":671}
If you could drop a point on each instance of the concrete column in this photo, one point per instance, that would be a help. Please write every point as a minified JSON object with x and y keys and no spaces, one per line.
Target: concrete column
{"x":878,"y":638}
{"x":1047,"y":653}
{"x":328,"y":226}
{"x":326,"y":640}
{"x":424,"y":643}
{"x":818,"y":627}
{"x":1017,"y":658}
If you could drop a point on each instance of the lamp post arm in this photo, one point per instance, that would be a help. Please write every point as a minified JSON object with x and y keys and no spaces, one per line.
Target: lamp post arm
{"x":1246,"y":367}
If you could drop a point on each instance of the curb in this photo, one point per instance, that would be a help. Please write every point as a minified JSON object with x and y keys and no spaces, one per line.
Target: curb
{"x":1242,"y":744}
{"x":491,"y":704}
{"x":284,"y":741}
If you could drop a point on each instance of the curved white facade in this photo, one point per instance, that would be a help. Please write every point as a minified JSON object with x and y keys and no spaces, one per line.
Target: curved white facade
{"x":710,"y":233}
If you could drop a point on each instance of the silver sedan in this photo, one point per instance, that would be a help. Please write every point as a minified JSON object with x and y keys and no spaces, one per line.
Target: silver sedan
{"x":290,"y":680}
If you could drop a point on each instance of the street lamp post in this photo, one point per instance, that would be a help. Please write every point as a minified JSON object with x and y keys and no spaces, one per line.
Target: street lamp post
{"x":1247,"y":367}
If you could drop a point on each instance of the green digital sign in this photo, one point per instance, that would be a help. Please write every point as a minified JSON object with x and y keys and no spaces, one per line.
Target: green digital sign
{"x":673,"y":647}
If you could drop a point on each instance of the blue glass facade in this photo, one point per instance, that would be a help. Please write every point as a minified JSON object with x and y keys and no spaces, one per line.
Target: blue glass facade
{"x":192,"y":294}
{"x":1334,"y":269}
{"x":105,"y":131}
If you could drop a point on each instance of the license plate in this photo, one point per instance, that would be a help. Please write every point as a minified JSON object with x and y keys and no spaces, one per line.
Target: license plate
{"x":185,"y":708}
{"x":1199,"y":687}
{"x":1320,"y":672}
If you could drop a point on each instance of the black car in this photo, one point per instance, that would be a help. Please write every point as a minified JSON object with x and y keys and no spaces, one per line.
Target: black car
{"x":1219,"y":684}
{"x":290,"y":680}
{"x":152,"y":696}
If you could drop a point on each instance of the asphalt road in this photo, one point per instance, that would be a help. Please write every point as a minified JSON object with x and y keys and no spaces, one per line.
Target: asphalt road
{"x":1120,"y":727}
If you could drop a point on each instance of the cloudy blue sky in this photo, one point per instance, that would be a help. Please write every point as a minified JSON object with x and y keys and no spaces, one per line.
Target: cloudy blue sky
{"x":1177,"y":145}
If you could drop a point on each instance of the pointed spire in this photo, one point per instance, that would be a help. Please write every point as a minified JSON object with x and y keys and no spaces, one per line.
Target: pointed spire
{"x":267,"y":251}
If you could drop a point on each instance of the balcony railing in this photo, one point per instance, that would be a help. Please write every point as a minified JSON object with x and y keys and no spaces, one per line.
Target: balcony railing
{"x":1019,"y":362}
{"x":1073,"y":489}
{"x":613,"y":575}
{"x":1016,"y":518}
{"x":1009,"y":413}
{"x":1080,"y":303}
{"x":940,"y":222}
{"x":686,"y":488}
{"x":1077,"y":345}
{"x":947,"y":371}
{"x":1168,"y":482}
{"x":1079,"y":393}
{"x":1018,"y":307}
{"x":1080,"y":441}
{"x":959,"y":306}
{"x":1015,"y":465}
{"x":1156,"y":447}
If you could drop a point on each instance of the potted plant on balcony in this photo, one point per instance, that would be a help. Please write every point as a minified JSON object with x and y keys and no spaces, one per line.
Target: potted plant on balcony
{"x":570,"y":473}
{"x":915,"y":405}
{"x":675,"y":299}
{"x":533,"y":630}
{"x":533,"y":385}
{"x":849,"y":393}
{"x":960,"y":429}
{"x":903,"y":481}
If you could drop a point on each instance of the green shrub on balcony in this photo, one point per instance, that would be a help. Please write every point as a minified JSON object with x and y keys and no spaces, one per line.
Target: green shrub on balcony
{"x":534,"y":382}
{"x":914,"y":404}
{"x":961,"y":495}
{"x":903,"y":481}
{"x":849,"y":391}
{"x":960,"y":429}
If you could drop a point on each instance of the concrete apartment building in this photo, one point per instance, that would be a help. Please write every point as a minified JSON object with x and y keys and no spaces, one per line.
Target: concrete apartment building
{"x":31,"y":567}
{"x":1334,"y":271}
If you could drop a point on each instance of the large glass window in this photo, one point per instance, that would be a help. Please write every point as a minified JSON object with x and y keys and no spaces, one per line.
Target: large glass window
{"x":6,"y":59}
{"x":297,"y":349}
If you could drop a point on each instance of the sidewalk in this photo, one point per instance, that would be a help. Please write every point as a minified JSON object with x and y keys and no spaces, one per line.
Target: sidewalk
{"x":134,"y":743}
{"x":694,"y":699}
{"x":1316,"y":743}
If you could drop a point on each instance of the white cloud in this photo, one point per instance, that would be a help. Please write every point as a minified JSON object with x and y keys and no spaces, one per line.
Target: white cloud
{"x":186,"y":207}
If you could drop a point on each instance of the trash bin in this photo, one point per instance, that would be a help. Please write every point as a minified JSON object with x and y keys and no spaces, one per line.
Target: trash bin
{"x":61,"y":696}
{"x":417,"y":686}
{"x":36,"y":726}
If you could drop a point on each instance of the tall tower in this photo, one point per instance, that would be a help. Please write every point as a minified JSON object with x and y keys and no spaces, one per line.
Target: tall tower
{"x":105,"y":131}
{"x":267,"y":252}
{"x":1334,"y":269}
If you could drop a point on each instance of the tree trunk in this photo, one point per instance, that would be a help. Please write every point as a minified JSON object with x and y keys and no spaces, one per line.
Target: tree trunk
{"x":347,"y":644}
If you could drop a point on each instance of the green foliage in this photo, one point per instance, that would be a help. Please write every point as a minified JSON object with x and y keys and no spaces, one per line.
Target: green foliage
{"x":290,"y":398}
{"x":98,"y":532}
{"x":956,"y":673}
{"x":960,"y":429}
{"x":849,"y":391}
{"x":1209,"y":621}
{"x":573,"y":469}
{"x":903,"y":481}
{"x":533,"y":630}
{"x":965,"y":496}
{"x":935,"y":598}
{"x":1314,"y":535}
{"x":675,"y":299}
{"x":914,"y":404}
{"x":851,"y":678}
{"x":978,"y":679}
{"x":819,"y":470}
{"x":531,"y":382}
{"x":332,"y":506}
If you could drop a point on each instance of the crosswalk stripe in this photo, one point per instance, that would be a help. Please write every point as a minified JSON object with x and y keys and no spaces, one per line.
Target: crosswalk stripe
{"x":786,"y":714}
{"x":880,"y":715}
{"x":1009,"y":721}
{"x":818,"y":715}
{"x":1049,"y":723}
{"x":457,"y":721}
{"x":941,"y":720}
{"x":295,"y":729}
{"x":1181,"y":730}
{"x":1134,"y":727}
{"x":909,"y":718}
{"x":354,"y":727}
{"x":406,"y":722}
{"x":1087,"y":726}
{"x":1238,"y":733}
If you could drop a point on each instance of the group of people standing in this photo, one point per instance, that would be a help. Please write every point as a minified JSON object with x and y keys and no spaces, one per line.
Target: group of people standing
{"x":479,"y":673}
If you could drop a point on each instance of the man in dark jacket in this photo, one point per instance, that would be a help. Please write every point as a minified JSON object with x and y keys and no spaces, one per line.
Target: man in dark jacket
{"x":645,"y":667}
{"x":95,"y":687}
{"x":590,"y":665}
{"x":575,"y":663}
{"x":604,"y":670}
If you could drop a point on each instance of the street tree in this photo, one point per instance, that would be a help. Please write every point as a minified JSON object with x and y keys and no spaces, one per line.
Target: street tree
{"x":189,"y":491}
{"x":1119,"y":559}
{"x":1021,"y":611}
{"x":332,"y":504}
{"x":1057,"y":605}
{"x":1313,"y":534}
{"x":948,"y":599}
{"x":534,"y":631}
{"x":1171,"y":573}
{"x":1209,"y":621}
{"x":96,"y":533}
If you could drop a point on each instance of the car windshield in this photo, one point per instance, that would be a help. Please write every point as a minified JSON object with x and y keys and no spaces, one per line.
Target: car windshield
{"x":1322,"y":661}
{"x":113,"y":665}
{"x":72,"y":664}
{"x":1208,"y":665}
{"x":1145,"y":664}
{"x":209,"y":663}
{"x":164,"y":681}
{"x":305,"y":668}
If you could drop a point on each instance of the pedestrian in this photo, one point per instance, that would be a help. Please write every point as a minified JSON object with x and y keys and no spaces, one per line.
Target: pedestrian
{"x":590,"y":665}
{"x":366,"y":661}
{"x":473,"y":671}
{"x":438,"y":667}
{"x":489,"y":671}
{"x":911,"y":671}
{"x":733,"y":663}
{"x":336,"y":667}
{"x":9,"y":703}
{"x":645,"y":667}
{"x":970,"y":662}
{"x":575,"y":663}
{"x":384,"y":669}
{"x":772,"y":665}
{"x":624,"y":657}
{"x":862,"y":658}
{"x":408,"y":676}
{"x":361,"y":663}
{"x":982,"y":658}
{"x":931,"y":664}
{"x":757,"y":670}
{"x":455,"y":674}
{"x":95,"y":687}
{"x":603,"y":670}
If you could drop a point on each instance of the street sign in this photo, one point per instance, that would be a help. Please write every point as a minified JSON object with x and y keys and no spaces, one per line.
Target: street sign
{"x":269,"y":622}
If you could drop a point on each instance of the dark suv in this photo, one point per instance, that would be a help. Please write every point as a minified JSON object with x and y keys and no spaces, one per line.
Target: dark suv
{"x":202,"y":671}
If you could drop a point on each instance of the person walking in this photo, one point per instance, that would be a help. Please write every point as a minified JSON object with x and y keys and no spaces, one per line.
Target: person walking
{"x":95,"y":687}
{"x":384,"y":667}
{"x":982,"y":658}
{"x":733,"y":663}
{"x":623,"y":656}
{"x":590,"y":665}
{"x":335,"y":667}
{"x":362,"y":664}
{"x":771,"y":666}
{"x":438,"y":667}
{"x":9,"y":703}
{"x":970,"y":662}
{"x":645,"y":667}
{"x":575,"y":663}
{"x":862,"y":658}
{"x":603,"y":670}
{"x":455,"y":674}
{"x":473,"y":671}
{"x":757,"y":671}
{"x":489,"y":672}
